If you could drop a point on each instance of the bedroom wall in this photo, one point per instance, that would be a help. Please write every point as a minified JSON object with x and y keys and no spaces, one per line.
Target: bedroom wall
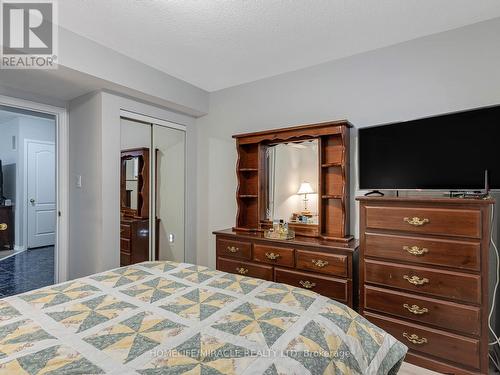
{"x":95,"y":155}
{"x":451,"y":71}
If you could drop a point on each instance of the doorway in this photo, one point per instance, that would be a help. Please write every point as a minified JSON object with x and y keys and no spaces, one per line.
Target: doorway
{"x":154,"y":151}
{"x":27,"y":200}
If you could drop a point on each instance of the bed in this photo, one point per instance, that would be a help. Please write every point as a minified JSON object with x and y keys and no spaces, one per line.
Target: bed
{"x":170,"y":318}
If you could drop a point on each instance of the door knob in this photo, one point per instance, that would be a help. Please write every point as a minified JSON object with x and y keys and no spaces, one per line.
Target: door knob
{"x":32,"y":201}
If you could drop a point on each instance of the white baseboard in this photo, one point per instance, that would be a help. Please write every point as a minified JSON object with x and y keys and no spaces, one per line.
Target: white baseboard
{"x":19,"y":248}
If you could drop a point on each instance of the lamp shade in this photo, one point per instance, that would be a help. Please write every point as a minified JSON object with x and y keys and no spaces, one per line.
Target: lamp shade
{"x":305,"y":188}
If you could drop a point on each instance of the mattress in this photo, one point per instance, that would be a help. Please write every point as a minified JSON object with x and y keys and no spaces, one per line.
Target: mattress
{"x":170,"y":318}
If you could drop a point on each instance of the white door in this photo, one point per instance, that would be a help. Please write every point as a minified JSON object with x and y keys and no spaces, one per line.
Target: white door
{"x":41,"y":189}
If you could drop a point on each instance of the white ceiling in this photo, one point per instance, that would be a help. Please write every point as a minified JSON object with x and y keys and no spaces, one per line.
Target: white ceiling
{"x":215,"y":44}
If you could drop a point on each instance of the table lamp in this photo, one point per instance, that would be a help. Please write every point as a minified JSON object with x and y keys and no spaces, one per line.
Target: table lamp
{"x":305,"y":188}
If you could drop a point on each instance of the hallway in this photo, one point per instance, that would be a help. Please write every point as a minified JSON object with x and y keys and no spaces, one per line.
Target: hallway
{"x":31,"y":269}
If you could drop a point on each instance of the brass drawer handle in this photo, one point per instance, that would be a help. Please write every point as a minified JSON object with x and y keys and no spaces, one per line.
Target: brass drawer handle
{"x":415,"y":339}
{"x":232,"y":249}
{"x":415,"y":250}
{"x":307,"y":284}
{"x":415,"y":280}
{"x":319,"y":263}
{"x":416,"y":221}
{"x":241,"y":270}
{"x":272,"y":256}
{"x":415,"y":309}
{"x":3,"y":226}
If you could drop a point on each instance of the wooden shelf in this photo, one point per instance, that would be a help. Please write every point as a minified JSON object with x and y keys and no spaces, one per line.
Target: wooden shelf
{"x":333,"y":179}
{"x":328,"y":165}
{"x":248,"y":169}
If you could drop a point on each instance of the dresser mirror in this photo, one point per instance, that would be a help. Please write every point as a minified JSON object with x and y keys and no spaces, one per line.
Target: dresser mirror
{"x":131,"y":182}
{"x":292,"y":188}
{"x":134,"y":183}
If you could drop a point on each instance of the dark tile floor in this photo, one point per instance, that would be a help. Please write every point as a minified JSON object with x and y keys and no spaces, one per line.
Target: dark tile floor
{"x":31,"y":269}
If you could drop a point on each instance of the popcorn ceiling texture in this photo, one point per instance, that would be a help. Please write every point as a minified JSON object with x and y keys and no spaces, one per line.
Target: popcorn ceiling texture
{"x":218,"y":44}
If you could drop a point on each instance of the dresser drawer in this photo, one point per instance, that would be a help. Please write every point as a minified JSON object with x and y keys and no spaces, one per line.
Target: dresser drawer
{"x":327,"y":286}
{"x":448,"y":315}
{"x":424,"y":250}
{"x":245,"y":268}
{"x":430,"y":341}
{"x":234,"y":249}
{"x":125,"y":259}
{"x":125,"y":231}
{"x":447,"y":284}
{"x":325,"y":263}
{"x":449,"y":222}
{"x":281,"y":256}
{"x":125,"y":245}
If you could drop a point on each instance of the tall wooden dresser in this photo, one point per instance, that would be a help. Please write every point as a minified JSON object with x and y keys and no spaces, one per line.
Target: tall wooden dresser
{"x":424,"y":277}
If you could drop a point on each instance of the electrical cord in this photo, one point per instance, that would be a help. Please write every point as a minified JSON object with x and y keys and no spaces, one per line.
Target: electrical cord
{"x":496,"y":360}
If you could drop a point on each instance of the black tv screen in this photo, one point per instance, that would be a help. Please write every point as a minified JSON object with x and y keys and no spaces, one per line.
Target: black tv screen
{"x":447,"y":152}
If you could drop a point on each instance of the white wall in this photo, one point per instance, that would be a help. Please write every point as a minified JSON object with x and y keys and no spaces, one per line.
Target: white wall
{"x":10,"y":155}
{"x":86,"y":254}
{"x":445,"y":72}
{"x":95,"y":145}
{"x":80,"y":57}
{"x":8,"y":129}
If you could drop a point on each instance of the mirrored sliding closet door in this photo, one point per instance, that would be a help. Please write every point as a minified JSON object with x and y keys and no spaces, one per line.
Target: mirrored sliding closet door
{"x":169,"y":145}
{"x":152,"y":192}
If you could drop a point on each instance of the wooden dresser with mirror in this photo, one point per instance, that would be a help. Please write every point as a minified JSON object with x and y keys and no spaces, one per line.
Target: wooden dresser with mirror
{"x":297,"y":175}
{"x":134,"y":208}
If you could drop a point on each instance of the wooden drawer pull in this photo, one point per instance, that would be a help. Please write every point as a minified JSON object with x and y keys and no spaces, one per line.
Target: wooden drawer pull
{"x":241,"y":270}
{"x":307,"y":284}
{"x":272,"y":256}
{"x":319,"y":263}
{"x":415,"y":250}
{"x":416,"y":221}
{"x":415,"y":280}
{"x":3,"y":226}
{"x":232,"y":249}
{"x":414,"y":339}
{"x":415,"y":309}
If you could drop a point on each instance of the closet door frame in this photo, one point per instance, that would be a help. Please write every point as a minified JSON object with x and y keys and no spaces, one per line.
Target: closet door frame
{"x":152,"y":121}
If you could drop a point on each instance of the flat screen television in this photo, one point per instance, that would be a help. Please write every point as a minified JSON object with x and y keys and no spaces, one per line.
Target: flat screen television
{"x":447,"y":152}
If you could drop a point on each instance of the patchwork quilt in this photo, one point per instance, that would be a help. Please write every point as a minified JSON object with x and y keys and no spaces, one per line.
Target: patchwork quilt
{"x":170,"y":318}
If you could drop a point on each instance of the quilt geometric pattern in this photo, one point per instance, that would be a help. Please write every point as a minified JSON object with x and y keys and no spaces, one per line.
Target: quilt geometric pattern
{"x":256,"y":323}
{"x":58,"y":294}
{"x":198,"y":304}
{"x":87,"y":314}
{"x":154,"y":290}
{"x":177,"y":318}
{"x":288,"y":295}
{"x":134,"y":336}
{"x":120,"y":277}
